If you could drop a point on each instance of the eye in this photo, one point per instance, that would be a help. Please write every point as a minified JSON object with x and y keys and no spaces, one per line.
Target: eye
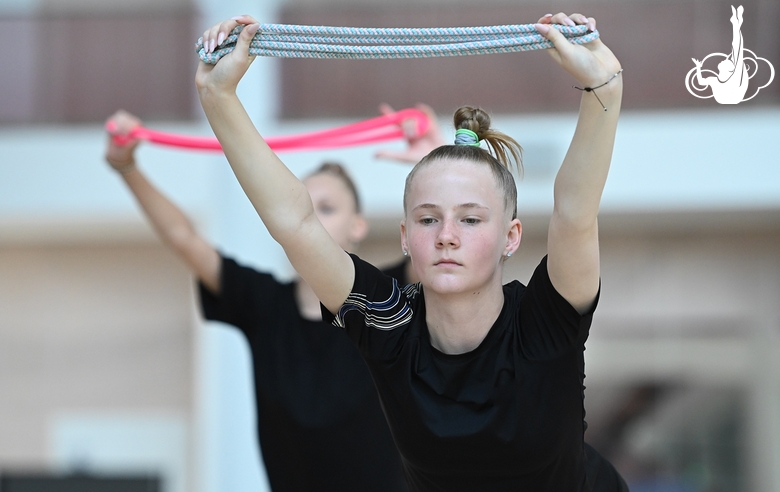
{"x":326,"y":209}
{"x":427,"y":220}
{"x":472,"y":220}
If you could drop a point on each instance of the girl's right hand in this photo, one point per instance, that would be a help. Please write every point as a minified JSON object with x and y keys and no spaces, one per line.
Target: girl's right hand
{"x":225,"y":75}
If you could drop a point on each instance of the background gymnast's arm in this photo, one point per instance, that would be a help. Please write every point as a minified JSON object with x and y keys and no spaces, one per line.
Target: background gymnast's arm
{"x":170,"y":223}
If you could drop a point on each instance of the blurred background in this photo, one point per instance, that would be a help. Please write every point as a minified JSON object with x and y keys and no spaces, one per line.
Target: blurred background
{"x":107,"y":371}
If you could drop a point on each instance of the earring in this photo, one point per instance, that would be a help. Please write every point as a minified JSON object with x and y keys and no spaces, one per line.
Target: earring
{"x":509,"y":254}
{"x":406,"y":253}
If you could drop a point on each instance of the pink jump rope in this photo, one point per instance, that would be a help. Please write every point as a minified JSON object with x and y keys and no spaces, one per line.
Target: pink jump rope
{"x":379,"y":129}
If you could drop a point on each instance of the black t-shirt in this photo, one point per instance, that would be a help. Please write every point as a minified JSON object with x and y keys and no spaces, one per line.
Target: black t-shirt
{"x":320,"y":424}
{"x":397,"y":270}
{"x":507,"y":416}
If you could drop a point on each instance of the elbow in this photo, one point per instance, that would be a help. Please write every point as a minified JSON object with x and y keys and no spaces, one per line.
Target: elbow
{"x":295,"y":231}
{"x":576,"y":219}
{"x":290,"y":223}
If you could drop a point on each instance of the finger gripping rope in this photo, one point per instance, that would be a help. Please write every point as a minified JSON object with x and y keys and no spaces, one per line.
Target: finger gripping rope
{"x":360,"y":43}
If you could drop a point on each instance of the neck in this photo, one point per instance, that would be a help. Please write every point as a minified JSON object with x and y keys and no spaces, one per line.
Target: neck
{"x":308,"y":303}
{"x":458,"y":323}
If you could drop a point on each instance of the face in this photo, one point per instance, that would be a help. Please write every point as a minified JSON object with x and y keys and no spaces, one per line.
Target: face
{"x":456,"y":229}
{"x":335,"y":207}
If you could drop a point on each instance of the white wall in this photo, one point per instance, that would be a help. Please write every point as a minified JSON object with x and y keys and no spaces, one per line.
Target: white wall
{"x":713,"y":160}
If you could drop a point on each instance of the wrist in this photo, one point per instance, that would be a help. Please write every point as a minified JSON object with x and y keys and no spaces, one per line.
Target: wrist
{"x":124,"y":168}
{"x":212,"y":93}
{"x":608,"y":91}
{"x":130,"y":168}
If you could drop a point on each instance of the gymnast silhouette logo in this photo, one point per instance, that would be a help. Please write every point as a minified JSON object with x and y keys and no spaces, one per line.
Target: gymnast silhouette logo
{"x":730,"y":84}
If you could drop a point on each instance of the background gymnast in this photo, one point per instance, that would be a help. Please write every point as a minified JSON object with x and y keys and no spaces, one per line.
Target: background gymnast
{"x":482,"y":384}
{"x":320,"y":426}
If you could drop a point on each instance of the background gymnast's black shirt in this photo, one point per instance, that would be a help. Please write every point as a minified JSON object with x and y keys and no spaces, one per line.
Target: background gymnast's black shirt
{"x":507,"y":416}
{"x":320,"y":424}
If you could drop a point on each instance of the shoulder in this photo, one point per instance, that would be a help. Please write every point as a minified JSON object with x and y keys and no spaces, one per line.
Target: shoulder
{"x":550,"y":325}
{"x":377,"y":300}
{"x":541,"y":287}
{"x":235,"y":273}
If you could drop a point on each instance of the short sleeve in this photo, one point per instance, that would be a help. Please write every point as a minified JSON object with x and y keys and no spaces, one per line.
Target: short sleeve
{"x":398,"y":271}
{"x":376,"y":312}
{"x":247,"y":297}
{"x":550,"y":326}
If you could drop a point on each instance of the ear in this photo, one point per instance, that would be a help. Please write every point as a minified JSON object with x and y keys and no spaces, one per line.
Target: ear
{"x":404,"y":245}
{"x":513,"y":237}
{"x":359,"y":229}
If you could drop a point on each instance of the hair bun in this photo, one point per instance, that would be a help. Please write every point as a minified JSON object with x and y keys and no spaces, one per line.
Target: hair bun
{"x":502,"y":146}
{"x":474,"y":119}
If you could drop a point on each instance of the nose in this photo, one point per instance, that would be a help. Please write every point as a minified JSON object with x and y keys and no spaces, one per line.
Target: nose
{"x":448,"y":235}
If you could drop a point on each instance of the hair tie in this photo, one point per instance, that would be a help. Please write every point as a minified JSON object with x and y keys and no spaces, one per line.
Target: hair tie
{"x":466,"y":137}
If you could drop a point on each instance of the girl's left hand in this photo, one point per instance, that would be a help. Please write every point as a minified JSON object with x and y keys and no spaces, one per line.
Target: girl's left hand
{"x":228,"y":71}
{"x":418,"y":146}
{"x":592,"y":63}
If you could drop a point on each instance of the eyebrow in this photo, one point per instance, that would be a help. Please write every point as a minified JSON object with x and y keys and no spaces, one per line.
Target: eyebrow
{"x":462,"y":205}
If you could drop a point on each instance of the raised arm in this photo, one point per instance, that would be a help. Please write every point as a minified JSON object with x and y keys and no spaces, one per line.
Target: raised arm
{"x":278,"y":196}
{"x":171,"y":225}
{"x":572,"y":244}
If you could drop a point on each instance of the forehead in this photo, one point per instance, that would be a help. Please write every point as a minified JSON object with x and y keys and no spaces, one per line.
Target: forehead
{"x":325,"y":183}
{"x":449,"y":182}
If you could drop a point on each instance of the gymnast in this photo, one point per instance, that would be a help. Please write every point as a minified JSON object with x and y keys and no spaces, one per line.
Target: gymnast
{"x":320,"y":426}
{"x":481,"y":383}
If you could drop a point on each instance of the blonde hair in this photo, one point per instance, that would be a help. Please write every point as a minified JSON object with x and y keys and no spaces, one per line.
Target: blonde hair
{"x":502,"y":151}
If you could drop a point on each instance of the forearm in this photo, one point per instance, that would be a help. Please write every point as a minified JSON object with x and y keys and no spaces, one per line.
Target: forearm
{"x":583,"y":174}
{"x":168,"y":221}
{"x":279,"y":197}
{"x":176,"y":230}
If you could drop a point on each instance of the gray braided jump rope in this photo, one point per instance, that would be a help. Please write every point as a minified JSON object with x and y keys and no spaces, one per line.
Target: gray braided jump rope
{"x":359,"y":43}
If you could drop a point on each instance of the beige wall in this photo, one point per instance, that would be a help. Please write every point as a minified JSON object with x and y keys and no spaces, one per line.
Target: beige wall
{"x":91,"y":329}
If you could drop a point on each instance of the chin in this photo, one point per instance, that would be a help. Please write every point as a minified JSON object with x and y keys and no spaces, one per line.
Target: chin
{"x":443,"y":283}
{"x":449,"y":284}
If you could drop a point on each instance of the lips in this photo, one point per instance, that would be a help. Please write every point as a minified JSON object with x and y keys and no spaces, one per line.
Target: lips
{"x":447,"y":262}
